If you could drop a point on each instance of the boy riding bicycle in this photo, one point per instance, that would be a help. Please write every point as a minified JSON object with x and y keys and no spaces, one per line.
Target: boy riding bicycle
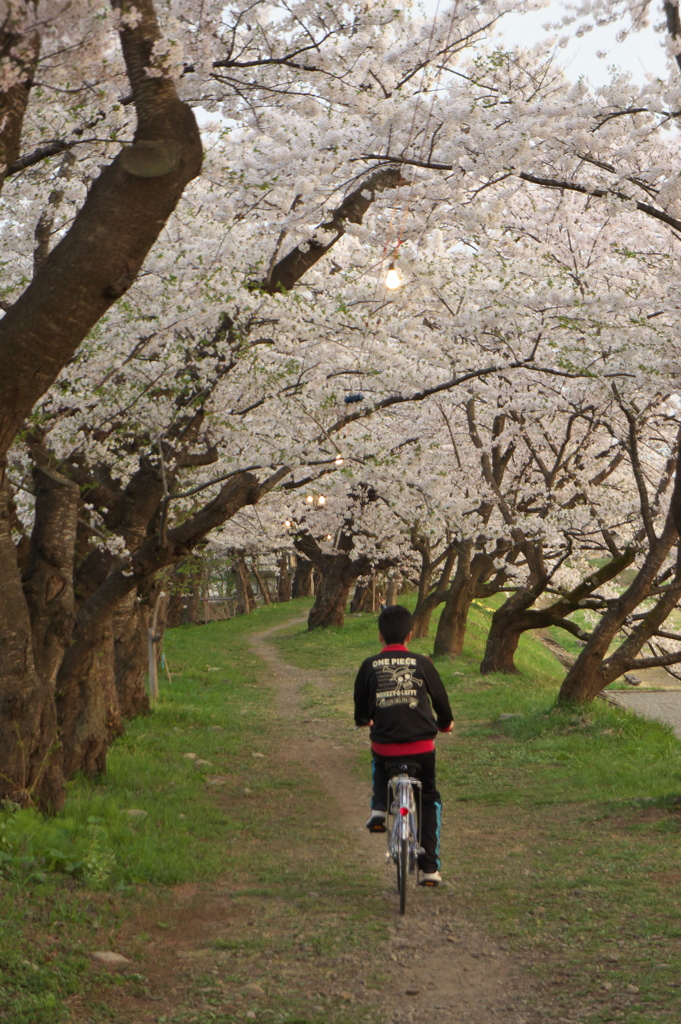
{"x":394,"y":691}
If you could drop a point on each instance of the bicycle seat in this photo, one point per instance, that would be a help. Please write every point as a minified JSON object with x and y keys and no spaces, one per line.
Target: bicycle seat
{"x":401,"y":768}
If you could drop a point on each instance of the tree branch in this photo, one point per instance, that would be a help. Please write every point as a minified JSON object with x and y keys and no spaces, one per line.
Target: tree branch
{"x":19,"y":51}
{"x":289,"y":270}
{"x":103,"y":251}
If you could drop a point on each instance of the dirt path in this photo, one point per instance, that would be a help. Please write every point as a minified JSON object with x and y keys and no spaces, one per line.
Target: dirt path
{"x":305,"y":949}
{"x":457,"y":974}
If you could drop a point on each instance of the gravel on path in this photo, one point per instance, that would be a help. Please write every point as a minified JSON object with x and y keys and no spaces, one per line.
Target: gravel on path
{"x":664,"y":706}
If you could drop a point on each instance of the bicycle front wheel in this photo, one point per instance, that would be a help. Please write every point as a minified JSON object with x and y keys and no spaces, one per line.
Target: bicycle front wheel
{"x":402,"y":872}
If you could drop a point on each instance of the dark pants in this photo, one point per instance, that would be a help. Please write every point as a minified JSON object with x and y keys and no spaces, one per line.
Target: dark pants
{"x":422,"y":767}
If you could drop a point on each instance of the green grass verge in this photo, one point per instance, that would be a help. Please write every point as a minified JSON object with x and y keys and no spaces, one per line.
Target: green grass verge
{"x":69,"y":881}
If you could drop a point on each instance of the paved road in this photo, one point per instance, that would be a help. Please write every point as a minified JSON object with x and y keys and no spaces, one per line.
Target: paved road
{"x":666,"y":707}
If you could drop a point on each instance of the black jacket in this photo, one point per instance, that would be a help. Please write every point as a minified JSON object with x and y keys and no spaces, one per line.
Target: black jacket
{"x":395,"y":690}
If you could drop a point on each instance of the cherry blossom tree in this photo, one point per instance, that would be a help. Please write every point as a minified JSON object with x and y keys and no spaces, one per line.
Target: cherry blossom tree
{"x":94,"y":263}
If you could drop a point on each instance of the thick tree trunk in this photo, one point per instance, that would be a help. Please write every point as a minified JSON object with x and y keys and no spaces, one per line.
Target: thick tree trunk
{"x":451,"y":628}
{"x":422,"y":615}
{"x":338,"y":573}
{"x":87,"y":708}
{"x":502,"y":640}
{"x":391,"y":592}
{"x":284,"y":587}
{"x":332,"y":596}
{"x":470,"y":572}
{"x":87,"y":703}
{"x":302,"y":578}
{"x":48,"y":575}
{"x":191,"y":608}
{"x":31,"y":761}
{"x":362,"y":599}
{"x":176,"y":611}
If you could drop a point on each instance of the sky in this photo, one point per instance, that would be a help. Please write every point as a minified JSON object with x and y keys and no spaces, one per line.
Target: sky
{"x":641,"y":54}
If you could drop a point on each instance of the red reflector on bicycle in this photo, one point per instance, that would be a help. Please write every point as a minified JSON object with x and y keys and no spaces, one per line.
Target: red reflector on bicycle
{"x":404,"y":811}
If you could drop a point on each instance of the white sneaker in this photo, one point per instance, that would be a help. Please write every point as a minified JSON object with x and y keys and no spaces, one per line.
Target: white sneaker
{"x":376,"y":821}
{"x":430,"y":878}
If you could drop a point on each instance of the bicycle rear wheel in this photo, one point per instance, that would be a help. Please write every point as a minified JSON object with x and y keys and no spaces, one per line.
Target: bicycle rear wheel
{"x":402,"y":872}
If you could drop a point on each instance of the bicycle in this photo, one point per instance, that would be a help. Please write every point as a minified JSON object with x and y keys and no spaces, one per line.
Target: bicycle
{"x":404,"y":824}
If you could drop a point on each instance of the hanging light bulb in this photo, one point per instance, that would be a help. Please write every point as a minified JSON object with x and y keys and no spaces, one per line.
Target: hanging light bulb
{"x":287,"y":523}
{"x":321,"y":500}
{"x":329,"y":537}
{"x":393,"y":279}
{"x":310,"y":499}
{"x":339,"y":460}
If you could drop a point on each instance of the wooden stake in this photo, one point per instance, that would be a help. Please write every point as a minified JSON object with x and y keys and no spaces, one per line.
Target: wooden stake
{"x":166,"y":666}
{"x":152,"y":645}
{"x":153,"y":675}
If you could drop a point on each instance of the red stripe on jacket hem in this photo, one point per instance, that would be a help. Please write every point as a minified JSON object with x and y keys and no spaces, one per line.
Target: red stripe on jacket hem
{"x":401,"y":749}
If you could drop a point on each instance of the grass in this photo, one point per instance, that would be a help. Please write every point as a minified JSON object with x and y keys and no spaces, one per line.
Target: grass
{"x":562,"y":839}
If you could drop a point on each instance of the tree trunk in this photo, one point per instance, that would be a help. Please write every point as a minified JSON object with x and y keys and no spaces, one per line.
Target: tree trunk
{"x":470,"y":572}
{"x":245,"y":597}
{"x":338,"y":573}
{"x":192,"y":608}
{"x":332,"y":596}
{"x":87,"y":702}
{"x":31,"y":762}
{"x":362,"y":599}
{"x":302,"y":578}
{"x":428,"y":599}
{"x":391,"y":592}
{"x":451,"y":629}
{"x":422,"y":615}
{"x":176,"y":609}
{"x":502,"y":640}
{"x":262,"y":583}
{"x":130,"y":625}
{"x":285,"y":581}
{"x":48,"y":576}
{"x":424,"y":605}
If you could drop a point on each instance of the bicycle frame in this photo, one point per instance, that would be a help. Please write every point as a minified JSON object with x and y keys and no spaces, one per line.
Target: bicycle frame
{"x":404,"y":823}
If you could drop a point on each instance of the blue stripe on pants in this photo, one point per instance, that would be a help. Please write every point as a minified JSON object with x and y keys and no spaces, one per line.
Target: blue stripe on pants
{"x":438,"y":813}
